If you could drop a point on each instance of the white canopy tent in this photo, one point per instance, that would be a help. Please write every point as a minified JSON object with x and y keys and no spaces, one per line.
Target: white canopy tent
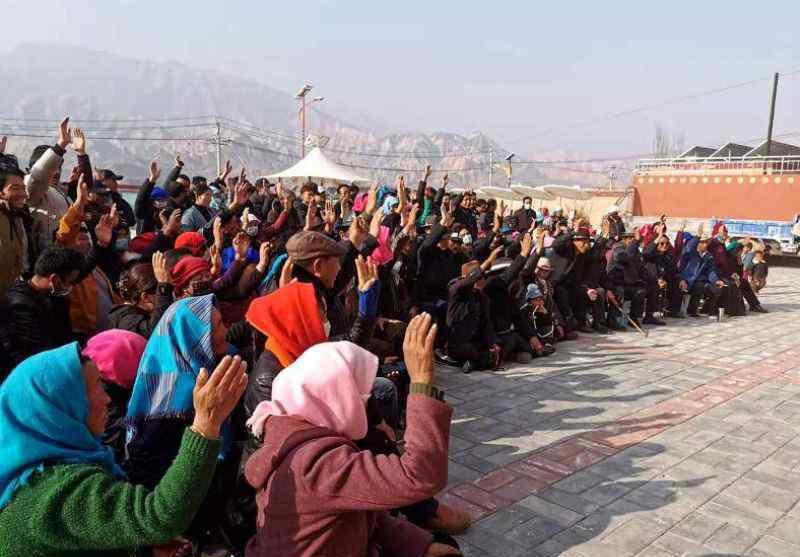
{"x":316,"y":165}
{"x":532,"y":192}
{"x":568,"y":192}
{"x":497,"y":193}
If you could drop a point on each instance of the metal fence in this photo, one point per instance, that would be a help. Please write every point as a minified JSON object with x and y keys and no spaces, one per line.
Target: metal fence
{"x":720,"y":165}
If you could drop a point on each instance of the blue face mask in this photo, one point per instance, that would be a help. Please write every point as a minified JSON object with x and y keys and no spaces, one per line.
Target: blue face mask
{"x":122,"y":244}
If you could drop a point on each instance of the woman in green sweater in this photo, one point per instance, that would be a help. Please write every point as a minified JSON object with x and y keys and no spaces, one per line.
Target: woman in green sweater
{"x":62,"y":494}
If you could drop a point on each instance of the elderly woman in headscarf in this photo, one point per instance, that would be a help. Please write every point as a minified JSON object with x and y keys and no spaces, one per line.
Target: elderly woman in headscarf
{"x":116,"y":354}
{"x":61,"y":491}
{"x":190,"y":336}
{"x":317,"y":493}
{"x":294,"y":317}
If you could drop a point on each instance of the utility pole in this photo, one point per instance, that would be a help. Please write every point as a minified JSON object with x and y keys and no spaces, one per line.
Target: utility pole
{"x":218,"y":141}
{"x":771,"y":114}
{"x":301,"y":96}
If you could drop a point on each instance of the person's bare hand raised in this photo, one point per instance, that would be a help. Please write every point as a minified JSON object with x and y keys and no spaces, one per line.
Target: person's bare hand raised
{"x":160,"y":270}
{"x":216,"y":396}
{"x":64,"y":133}
{"x":418,"y":349}
{"x":153,"y":172}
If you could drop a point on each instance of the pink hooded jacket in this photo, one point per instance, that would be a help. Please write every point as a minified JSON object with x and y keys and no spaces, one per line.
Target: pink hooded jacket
{"x":317,"y":493}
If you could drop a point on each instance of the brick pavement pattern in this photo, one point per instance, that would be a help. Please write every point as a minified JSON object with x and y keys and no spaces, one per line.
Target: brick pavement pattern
{"x":685,"y":443}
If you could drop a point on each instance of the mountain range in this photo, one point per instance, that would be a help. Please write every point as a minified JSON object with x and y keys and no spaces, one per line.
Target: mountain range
{"x":134,"y":111}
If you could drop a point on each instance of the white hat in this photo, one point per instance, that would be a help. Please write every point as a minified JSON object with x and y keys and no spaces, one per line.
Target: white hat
{"x":544,"y":263}
{"x":612,"y":209}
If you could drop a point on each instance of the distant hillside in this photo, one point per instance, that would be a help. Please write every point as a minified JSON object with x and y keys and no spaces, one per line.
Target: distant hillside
{"x":47,"y":81}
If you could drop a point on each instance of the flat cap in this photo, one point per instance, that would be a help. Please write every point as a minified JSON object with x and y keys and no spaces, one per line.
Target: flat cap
{"x":307,"y":245}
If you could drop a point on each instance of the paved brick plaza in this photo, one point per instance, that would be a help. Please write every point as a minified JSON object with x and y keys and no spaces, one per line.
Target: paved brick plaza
{"x":683,"y":444}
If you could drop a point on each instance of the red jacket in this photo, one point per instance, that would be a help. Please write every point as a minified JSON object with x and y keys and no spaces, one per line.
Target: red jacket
{"x":318,"y":495}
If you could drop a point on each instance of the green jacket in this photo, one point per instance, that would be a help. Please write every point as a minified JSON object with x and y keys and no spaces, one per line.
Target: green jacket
{"x":77,"y":509}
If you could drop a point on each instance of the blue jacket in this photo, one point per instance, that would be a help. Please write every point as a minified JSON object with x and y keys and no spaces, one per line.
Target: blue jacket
{"x":695,"y":266}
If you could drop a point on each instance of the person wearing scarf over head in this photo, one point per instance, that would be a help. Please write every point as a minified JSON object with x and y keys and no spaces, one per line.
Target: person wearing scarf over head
{"x":293,"y":319}
{"x":117,"y":354}
{"x":190,"y":336}
{"x":317,"y":493}
{"x":61,"y":491}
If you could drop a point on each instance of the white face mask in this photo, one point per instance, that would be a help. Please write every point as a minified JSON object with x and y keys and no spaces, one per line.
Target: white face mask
{"x":467,"y":239}
{"x":326,"y":325}
{"x":527,"y":205}
{"x":252,"y":231}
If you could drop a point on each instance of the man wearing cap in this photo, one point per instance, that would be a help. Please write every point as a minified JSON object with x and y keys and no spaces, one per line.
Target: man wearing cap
{"x":471,"y":337}
{"x":615,"y":225}
{"x":110,"y":180}
{"x":541,"y":320}
{"x":318,"y":259}
{"x":570,"y":259}
{"x":699,"y":274}
{"x":438,"y":265}
{"x":630,"y":280}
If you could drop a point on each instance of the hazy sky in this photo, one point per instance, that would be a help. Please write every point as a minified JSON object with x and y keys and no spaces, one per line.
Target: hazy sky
{"x":525,"y":72}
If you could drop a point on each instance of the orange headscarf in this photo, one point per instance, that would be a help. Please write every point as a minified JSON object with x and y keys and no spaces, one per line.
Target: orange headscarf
{"x":290,"y":318}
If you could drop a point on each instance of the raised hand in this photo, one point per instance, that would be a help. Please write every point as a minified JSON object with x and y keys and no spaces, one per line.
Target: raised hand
{"x":82,"y":194}
{"x":153,"y":172}
{"x":445,"y":179}
{"x":113,"y":215}
{"x":311,"y":214}
{"x":367,"y":273}
{"x":286,"y":272}
{"x":226,"y":171}
{"x":428,"y":172}
{"x":104,"y":230}
{"x":215,"y":397}
{"x":357,"y":232}
{"x":263,"y":257}
{"x":64,"y":133}
{"x":418,"y":349}
{"x":241,"y":243}
{"x":160,"y":270}
{"x":78,"y":141}
{"x":527,"y":245}
{"x":219,"y":237}
{"x":372,"y":199}
{"x":329,"y":215}
{"x":216,"y":260}
{"x":173,"y":225}
{"x":178,"y":161}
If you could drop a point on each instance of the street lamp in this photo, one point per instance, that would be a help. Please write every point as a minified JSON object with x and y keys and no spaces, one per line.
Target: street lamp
{"x":508,"y":173}
{"x":301,"y":96}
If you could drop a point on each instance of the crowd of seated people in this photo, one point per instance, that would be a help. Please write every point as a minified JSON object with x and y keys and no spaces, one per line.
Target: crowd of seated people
{"x":226,"y":363}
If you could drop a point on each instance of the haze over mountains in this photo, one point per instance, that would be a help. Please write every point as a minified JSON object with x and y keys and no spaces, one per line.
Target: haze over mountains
{"x":140,"y":101}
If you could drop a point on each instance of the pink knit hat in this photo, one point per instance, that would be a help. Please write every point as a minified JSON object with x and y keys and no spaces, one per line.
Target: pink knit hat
{"x":326,"y":386}
{"x":116,"y":353}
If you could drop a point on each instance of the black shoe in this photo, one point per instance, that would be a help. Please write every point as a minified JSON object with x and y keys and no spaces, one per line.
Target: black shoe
{"x":674,"y":315}
{"x":548,"y":350}
{"x":650,"y":320}
{"x":584,"y":328}
{"x":696,"y":315}
{"x":601,"y":329}
{"x":467,"y":367}
{"x":759,"y":309}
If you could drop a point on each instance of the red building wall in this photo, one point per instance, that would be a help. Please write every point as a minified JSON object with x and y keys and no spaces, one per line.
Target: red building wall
{"x":733,"y":196}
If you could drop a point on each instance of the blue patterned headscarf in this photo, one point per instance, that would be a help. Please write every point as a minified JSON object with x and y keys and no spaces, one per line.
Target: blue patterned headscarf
{"x":43,"y":413}
{"x":177,"y":349}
